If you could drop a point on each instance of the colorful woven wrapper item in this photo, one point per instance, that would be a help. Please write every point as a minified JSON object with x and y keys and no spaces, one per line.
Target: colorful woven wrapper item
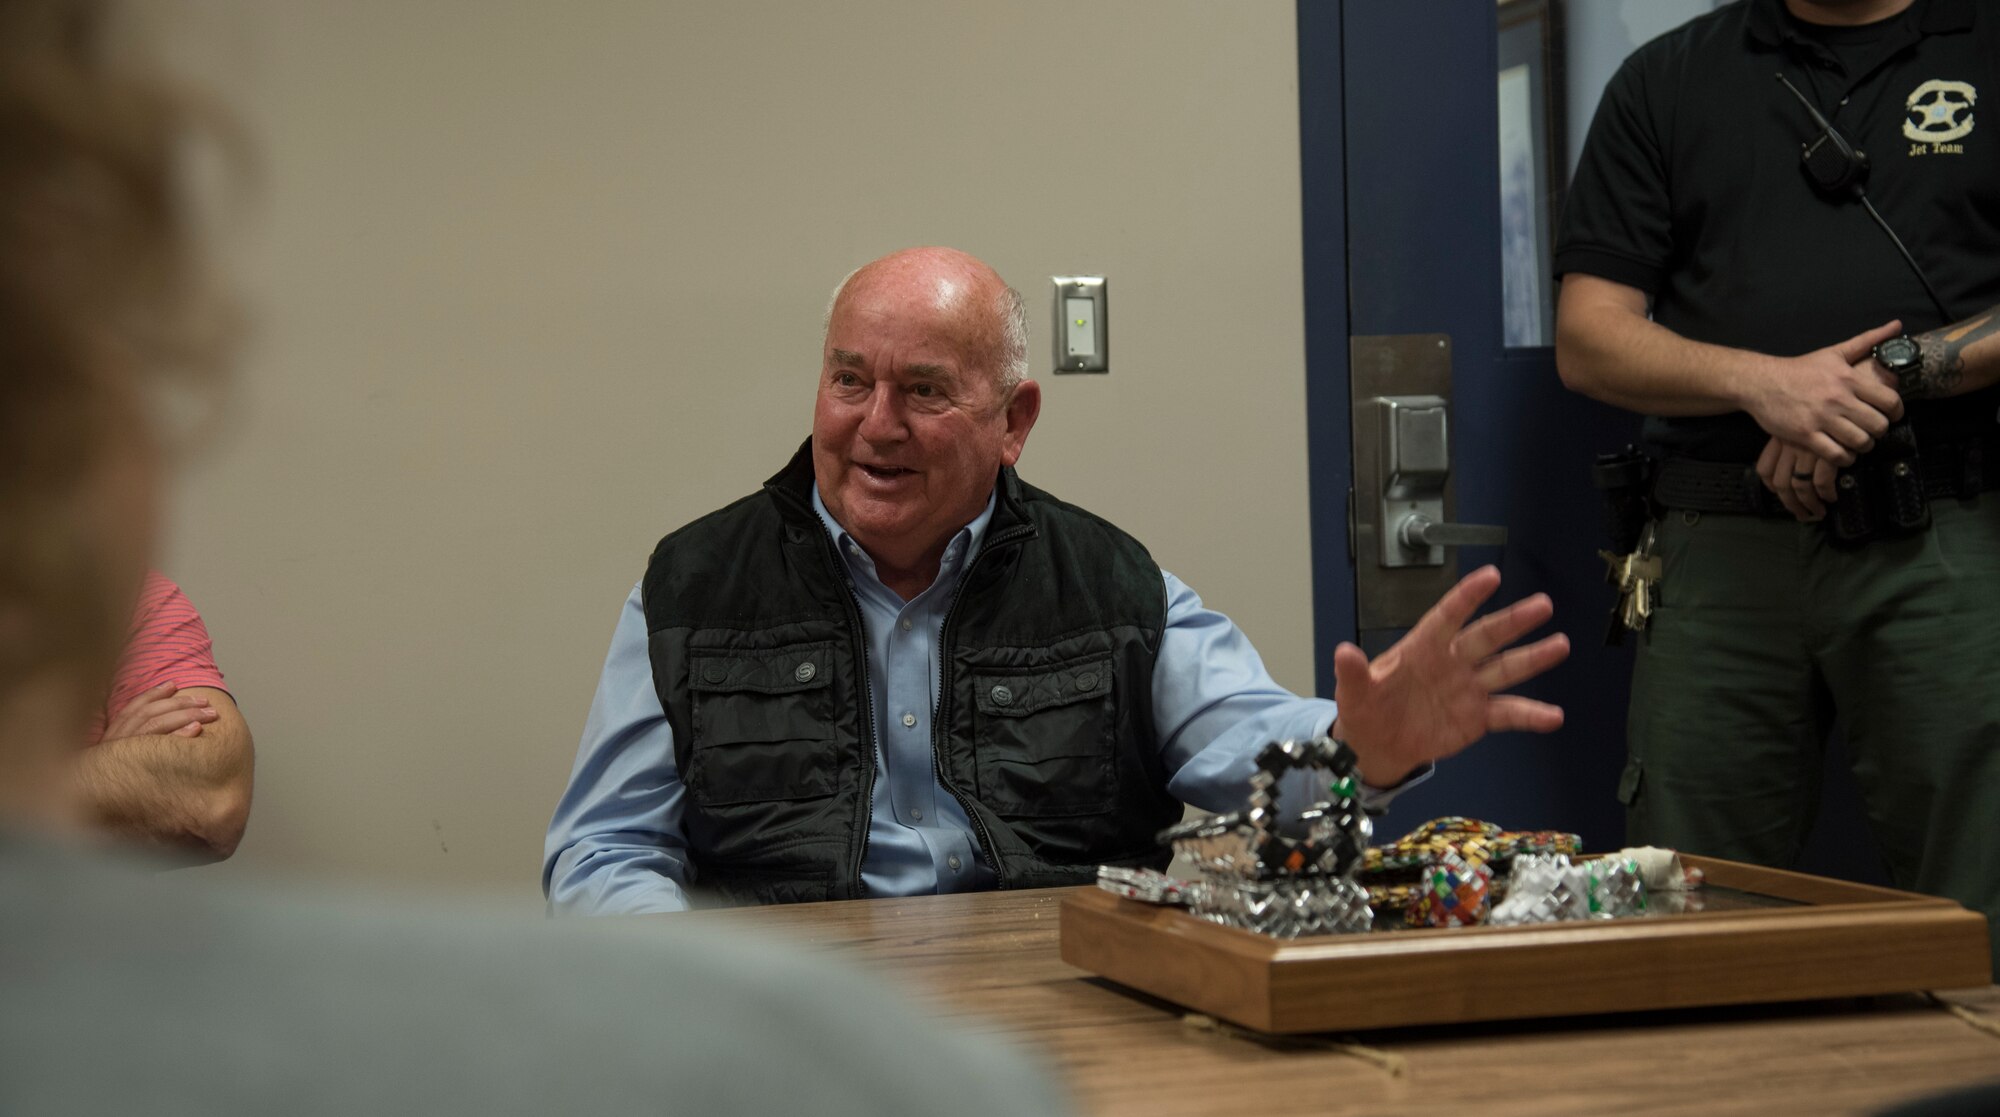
{"x":1454,"y":893}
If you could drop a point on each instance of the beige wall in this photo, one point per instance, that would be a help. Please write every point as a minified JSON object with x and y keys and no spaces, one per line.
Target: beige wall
{"x":539,"y":281}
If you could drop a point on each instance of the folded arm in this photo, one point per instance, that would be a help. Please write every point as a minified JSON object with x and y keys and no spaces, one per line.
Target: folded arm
{"x":1834,"y":401}
{"x":180,"y":779}
{"x":1959,"y":358}
{"x":1956,"y":359}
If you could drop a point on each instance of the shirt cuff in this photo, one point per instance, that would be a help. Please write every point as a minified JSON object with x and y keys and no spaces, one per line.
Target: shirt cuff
{"x":1376,"y":800}
{"x":1614,"y":266}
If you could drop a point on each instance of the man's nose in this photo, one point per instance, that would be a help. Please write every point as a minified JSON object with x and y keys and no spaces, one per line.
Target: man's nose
{"x":883,"y":421}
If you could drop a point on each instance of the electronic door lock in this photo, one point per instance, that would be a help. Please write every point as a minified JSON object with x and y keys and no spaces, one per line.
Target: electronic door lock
{"x":1415,"y":442}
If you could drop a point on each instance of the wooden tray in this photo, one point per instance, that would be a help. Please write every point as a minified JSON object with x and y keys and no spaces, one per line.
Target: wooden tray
{"x":1768,"y":935}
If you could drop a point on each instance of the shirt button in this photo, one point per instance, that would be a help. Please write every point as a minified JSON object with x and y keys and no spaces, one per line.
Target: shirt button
{"x":909,"y":721}
{"x":952,"y":862}
{"x":917,"y":813}
{"x":905,"y":625}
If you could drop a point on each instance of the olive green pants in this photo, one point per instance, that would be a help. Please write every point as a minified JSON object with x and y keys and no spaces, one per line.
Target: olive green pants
{"x":1764,"y":633}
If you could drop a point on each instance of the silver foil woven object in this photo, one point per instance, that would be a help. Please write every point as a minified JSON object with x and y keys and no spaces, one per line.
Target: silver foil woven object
{"x":1149,"y":885}
{"x":1553,"y":889}
{"x":1617,"y":887}
{"x":1265,"y":872}
{"x":1287,"y":907}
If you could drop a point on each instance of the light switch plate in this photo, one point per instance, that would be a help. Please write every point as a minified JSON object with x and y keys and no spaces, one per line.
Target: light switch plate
{"x":1081,"y":335}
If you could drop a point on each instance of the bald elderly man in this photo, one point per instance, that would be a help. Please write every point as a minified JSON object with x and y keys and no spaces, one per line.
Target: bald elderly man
{"x":899,"y":669}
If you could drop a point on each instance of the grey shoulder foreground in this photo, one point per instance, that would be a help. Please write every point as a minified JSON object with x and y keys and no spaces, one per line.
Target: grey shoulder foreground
{"x":130,"y":994}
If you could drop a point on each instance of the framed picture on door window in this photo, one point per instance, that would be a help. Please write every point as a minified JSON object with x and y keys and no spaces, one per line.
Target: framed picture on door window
{"x":1532,"y":172}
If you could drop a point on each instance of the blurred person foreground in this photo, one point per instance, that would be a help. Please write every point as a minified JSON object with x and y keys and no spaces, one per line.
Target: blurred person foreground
{"x":130,"y":991}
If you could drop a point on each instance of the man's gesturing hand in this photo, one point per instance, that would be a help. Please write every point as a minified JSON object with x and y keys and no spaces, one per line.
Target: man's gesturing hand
{"x":1433,"y":693}
{"x":161,"y":711}
{"x":1833,"y":402}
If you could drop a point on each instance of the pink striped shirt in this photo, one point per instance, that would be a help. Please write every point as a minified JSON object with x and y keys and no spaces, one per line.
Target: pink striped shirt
{"x":169,"y":644}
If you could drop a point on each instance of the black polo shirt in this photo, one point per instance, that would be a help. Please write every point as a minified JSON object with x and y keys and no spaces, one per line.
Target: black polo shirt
{"x":1690,"y":189}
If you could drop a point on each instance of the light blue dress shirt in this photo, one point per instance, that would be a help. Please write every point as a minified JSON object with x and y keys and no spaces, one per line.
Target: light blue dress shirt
{"x":615,"y":844}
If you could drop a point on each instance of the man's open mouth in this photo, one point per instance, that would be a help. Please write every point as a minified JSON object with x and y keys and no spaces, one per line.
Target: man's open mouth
{"x":885,"y":472}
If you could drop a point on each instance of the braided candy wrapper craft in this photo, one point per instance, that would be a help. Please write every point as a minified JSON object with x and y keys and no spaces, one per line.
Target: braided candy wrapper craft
{"x":1265,"y":873}
{"x":1402,"y":873}
{"x":1289,"y":906}
{"x":1148,"y":885}
{"x":1315,"y":874}
{"x":1454,"y":892}
{"x":1553,"y":889}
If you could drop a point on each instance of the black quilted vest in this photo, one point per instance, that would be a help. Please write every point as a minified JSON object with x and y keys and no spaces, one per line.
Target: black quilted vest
{"x":1045,"y":728}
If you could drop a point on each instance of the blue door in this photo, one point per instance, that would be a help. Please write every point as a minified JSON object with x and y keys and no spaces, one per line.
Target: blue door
{"x":1408,"y":112}
{"x":1400,"y":144}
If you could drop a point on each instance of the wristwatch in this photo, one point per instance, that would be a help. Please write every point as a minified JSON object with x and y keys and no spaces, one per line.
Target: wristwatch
{"x":1902,"y":357}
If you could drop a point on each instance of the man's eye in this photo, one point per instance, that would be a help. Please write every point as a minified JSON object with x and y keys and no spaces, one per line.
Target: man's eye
{"x":846,"y":379}
{"x":924,"y":391}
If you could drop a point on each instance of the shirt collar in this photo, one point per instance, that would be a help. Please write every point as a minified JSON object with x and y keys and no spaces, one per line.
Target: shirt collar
{"x":958,"y":553}
{"x":1767,"y":19}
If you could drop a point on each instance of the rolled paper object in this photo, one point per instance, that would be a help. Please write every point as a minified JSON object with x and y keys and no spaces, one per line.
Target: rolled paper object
{"x":1660,"y":868}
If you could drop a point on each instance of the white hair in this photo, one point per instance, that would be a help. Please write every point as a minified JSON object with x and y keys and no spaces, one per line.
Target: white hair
{"x":1013,"y":311}
{"x":1010,"y":309}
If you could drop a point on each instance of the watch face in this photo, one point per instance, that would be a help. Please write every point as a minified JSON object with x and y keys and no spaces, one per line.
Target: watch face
{"x":1898,"y":353}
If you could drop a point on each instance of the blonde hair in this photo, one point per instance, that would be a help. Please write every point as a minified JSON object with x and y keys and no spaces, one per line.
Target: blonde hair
{"x":103,"y":302}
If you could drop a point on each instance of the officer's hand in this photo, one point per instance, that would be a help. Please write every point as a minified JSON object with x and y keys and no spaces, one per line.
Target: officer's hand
{"x":1801,"y":480}
{"x":1833,"y":402}
{"x":1433,"y":692}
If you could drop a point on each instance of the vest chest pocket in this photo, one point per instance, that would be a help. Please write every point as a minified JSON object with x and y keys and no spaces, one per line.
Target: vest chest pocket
{"x":1043,"y":740}
{"x":763,"y":725}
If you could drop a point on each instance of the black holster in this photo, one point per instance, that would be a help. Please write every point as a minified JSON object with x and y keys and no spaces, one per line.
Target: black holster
{"x":1882,"y":493}
{"x":1625,"y":480}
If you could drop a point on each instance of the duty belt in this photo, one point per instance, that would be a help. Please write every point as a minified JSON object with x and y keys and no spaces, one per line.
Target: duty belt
{"x":1963,"y":468}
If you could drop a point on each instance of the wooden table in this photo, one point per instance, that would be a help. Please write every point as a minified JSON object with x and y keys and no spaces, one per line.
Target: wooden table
{"x":990,"y":961}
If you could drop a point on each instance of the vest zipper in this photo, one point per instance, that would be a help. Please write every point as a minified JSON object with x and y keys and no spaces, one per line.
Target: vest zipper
{"x":856,"y":627}
{"x":942,"y":711}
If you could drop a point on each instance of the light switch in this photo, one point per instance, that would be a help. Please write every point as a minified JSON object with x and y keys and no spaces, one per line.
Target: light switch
{"x":1080,"y":334}
{"x":1080,"y":327}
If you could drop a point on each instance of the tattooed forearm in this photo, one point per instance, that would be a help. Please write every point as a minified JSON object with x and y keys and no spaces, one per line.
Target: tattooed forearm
{"x":1941,"y":370}
{"x":1950,"y":363}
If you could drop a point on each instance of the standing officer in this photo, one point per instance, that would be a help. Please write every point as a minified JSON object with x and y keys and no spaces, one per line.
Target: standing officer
{"x":1824,"y":408}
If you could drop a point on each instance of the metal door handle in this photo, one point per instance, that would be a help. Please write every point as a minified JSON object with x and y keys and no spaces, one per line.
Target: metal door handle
{"x":1419,"y":530}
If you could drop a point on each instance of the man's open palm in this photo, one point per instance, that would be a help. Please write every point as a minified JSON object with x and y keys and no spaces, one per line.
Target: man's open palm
{"x":1436,"y":690}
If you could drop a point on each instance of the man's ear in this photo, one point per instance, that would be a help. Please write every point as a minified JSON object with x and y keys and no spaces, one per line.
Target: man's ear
{"x":1023,"y":408}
